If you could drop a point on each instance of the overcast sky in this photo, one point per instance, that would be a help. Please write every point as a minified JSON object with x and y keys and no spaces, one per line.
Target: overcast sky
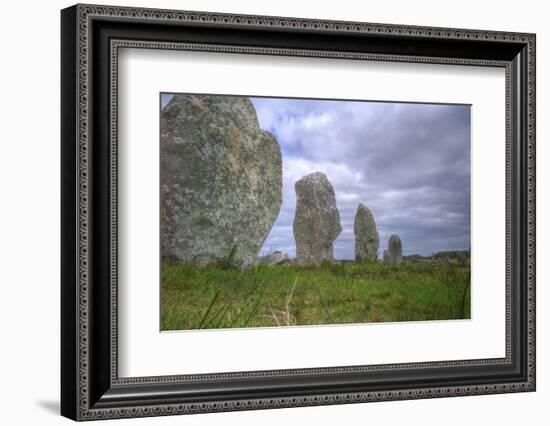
{"x":409,"y":163}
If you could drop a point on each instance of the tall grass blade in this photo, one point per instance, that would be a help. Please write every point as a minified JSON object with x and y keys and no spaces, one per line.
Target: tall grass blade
{"x":209,"y":308}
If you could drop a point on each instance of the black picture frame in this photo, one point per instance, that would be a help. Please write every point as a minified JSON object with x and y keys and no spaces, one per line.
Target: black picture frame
{"x":90,"y":386}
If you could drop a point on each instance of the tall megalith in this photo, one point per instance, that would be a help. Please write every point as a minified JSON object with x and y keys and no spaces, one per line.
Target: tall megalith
{"x":221,"y":180}
{"x":317,"y":220}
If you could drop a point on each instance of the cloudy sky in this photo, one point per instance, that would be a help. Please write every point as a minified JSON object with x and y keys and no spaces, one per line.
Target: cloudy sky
{"x":409,"y":163}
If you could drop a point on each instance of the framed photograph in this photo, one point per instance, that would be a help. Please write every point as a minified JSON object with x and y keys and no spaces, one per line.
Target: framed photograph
{"x":263,"y":212}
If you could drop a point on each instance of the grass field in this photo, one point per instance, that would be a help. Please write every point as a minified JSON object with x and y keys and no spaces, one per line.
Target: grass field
{"x":287,"y":295}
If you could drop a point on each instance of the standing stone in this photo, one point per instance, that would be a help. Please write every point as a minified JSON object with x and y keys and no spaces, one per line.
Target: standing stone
{"x":366,"y":235}
{"x":221,"y":180}
{"x":394,"y":252}
{"x":317,"y":220}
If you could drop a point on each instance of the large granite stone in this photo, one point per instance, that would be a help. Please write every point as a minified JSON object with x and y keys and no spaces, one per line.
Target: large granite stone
{"x":317,"y":220}
{"x":221,"y":180}
{"x":366,"y":235}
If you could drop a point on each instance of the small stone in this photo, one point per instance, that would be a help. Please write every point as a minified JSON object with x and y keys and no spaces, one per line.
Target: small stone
{"x":275,"y":258}
{"x":317,"y":220}
{"x":394,"y":252}
{"x":366,"y":235}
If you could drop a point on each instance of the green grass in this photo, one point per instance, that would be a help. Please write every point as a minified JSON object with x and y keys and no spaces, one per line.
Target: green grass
{"x":286,"y":295}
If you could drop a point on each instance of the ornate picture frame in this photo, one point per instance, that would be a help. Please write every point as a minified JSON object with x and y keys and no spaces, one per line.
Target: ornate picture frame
{"x":91,"y":37}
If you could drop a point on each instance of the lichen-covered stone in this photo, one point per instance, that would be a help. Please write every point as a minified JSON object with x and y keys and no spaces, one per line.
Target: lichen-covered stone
{"x":366,"y":235}
{"x":394,"y":252}
{"x":317,"y":220}
{"x":221,"y":180}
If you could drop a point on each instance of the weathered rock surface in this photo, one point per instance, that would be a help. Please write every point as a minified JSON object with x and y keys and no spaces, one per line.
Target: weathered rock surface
{"x":394,"y":252}
{"x":366,"y":235}
{"x":221,"y":180}
{"x":317,"y":220}
{"x":275,"y":258}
